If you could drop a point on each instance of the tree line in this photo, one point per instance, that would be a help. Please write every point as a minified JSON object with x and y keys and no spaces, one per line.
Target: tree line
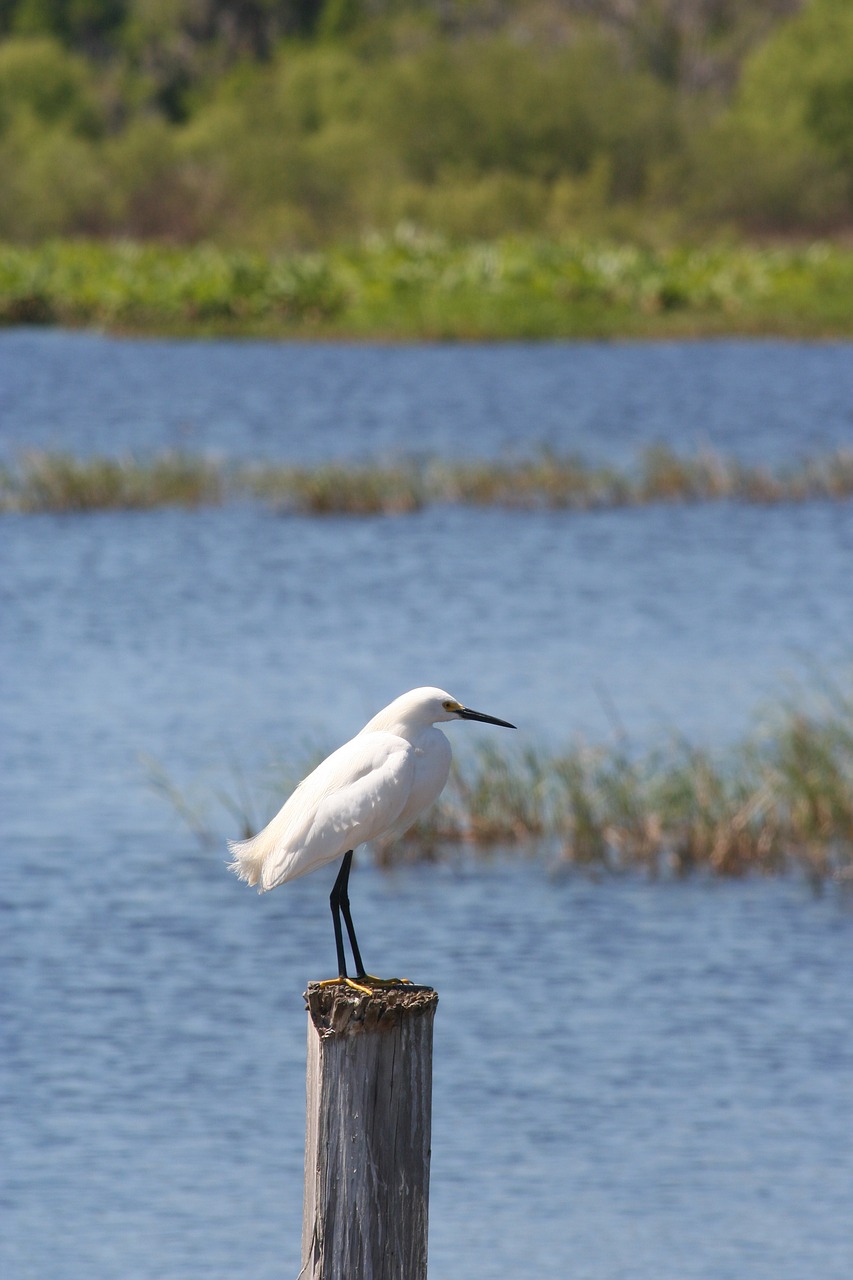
{"x":295,"y":123}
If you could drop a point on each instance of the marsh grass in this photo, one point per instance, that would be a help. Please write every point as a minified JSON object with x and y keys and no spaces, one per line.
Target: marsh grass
{"x":775,"y":802}
{"x":338,"y":488}
{"x":60,"y":483}
{"x":41,"y":481}
{"x":780,"y":801}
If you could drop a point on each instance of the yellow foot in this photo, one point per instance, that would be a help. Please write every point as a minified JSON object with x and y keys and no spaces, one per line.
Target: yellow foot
{"x":349,"y":982}
{"x":366,"y":983}
{"x":384,"y":982}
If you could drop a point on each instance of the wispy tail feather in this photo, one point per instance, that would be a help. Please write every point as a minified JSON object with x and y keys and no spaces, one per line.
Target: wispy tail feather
{"x":248,"y":858}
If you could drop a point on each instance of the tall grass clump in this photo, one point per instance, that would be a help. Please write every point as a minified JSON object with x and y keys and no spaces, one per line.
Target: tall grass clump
{"x":56,"y":482}
{"x":780,"y":801}
{"x":45,"y":481}
{"x":809,"y":775}
{"x":340,"y":488}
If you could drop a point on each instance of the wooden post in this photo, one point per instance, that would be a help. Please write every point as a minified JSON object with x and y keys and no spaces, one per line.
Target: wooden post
{"x":367,"y":1143}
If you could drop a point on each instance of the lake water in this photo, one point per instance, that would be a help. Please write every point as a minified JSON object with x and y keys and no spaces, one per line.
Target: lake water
{"x":632,"y":1080}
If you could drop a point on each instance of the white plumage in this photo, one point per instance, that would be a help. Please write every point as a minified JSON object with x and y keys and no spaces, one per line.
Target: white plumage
{"x":375,"y":784}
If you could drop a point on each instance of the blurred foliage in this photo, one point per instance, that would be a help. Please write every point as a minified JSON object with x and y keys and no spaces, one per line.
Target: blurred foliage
{"x":295,"y":123}
{"x":781,"y":156}
{"x":412,"y":285}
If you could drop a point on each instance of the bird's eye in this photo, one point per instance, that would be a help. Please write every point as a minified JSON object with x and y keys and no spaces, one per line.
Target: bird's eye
{"x":449,"y":704}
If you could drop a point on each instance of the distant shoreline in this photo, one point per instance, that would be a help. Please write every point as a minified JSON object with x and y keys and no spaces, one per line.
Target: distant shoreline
{"x":409,"y":288}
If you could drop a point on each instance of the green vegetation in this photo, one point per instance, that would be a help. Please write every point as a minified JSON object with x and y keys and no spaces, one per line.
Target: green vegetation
{"x":781,"y":800}
{"x":410,"y":285}
{"x":296,"y":124}
{"x":59,"y":483}
{"x":133,"y":286}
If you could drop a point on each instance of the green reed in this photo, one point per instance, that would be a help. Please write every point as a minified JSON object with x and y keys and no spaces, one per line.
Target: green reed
{"x":770,"y":804}
{"x":57,"y":482}
{"x":44,"y":481}
{"x":780,"y":800}
{"x":338,"y":488}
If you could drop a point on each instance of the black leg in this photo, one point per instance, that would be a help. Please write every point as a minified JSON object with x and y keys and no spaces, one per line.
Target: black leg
{"x":337,"y":899}
{"x":356,"y":954}
{"x":339,"y":902}
{"x":340,"y":908}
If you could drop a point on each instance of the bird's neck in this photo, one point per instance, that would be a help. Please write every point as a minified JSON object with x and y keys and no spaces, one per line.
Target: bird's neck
{"x":388,"y":722}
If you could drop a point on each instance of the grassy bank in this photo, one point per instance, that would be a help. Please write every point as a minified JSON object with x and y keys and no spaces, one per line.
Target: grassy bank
{"x":60,"y":483}
{"x":409,"y":286}
{"x":779,"y":801}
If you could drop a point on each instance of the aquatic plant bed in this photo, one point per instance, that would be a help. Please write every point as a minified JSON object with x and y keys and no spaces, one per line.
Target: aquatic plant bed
{"x":43,"y":481}
{"x":781,"y":800}
{"x":414,"y":286}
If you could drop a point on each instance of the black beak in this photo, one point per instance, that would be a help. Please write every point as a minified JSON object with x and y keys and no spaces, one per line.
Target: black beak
{"x":465,"y":714}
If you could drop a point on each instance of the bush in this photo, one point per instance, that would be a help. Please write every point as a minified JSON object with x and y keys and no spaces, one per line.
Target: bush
{"x":39,"y":78}
{"x":288,"y":148}
{"x":782,"y":156}
{"x":493,"y":106}
{"x":195,"y":122}
{"x":53,"y":181}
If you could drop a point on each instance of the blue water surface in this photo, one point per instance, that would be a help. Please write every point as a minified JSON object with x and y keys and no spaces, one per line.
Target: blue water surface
{"x":632,"y":1079}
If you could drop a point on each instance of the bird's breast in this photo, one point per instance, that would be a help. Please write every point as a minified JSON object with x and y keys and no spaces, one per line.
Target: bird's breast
{"x":432,"y":756}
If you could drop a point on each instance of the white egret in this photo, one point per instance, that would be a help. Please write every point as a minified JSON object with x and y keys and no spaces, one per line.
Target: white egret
{"x":374,"y":785}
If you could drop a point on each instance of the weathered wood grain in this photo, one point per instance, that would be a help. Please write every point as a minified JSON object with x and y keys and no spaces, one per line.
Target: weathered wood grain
{"x":367,"y":1147}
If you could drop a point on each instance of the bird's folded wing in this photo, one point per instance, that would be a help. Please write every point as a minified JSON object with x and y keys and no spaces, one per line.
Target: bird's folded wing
{"x":352,"y":797}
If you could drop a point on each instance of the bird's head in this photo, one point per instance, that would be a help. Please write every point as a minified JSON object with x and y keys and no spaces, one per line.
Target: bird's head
{"x":429,"y":706}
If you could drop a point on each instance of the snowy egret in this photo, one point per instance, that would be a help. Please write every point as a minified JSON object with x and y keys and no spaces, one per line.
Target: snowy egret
{"x":374,"y":785}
